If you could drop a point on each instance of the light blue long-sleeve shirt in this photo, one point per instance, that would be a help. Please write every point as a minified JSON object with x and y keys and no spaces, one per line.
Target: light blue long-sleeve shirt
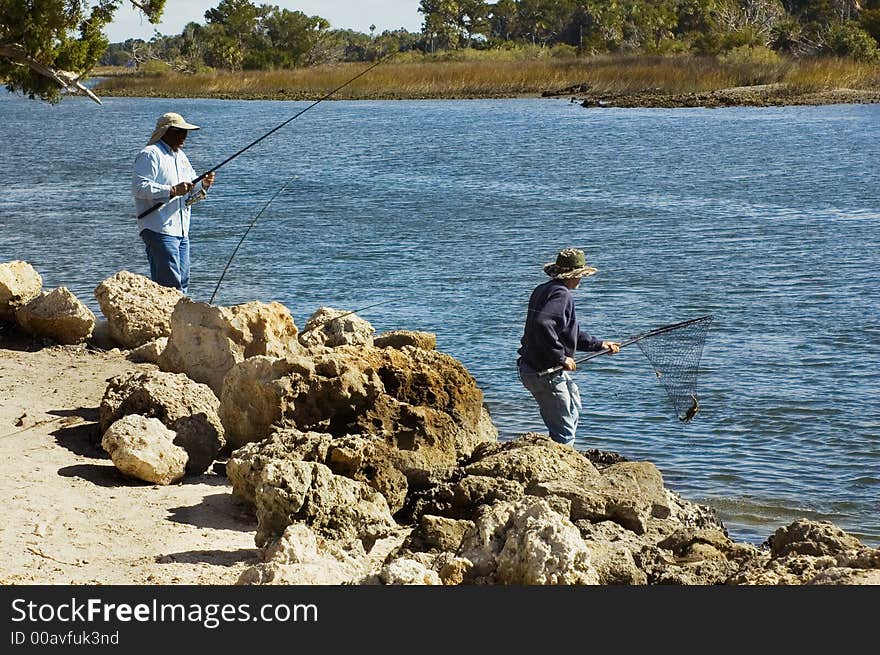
{"x":157,"y":168}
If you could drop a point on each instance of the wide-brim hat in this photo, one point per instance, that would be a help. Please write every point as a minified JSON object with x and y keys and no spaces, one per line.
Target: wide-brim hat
{"x":171,"y":119}
{"x":570,"y":263}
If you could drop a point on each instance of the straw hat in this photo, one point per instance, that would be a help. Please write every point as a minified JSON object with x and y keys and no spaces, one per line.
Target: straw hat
{"x":169,"y":120}
{"x":570,"y":263}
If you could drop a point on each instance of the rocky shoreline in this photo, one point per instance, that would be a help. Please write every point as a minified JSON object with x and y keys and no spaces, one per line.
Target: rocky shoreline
{"x":766,"y":95}
{"x":372,"y":459}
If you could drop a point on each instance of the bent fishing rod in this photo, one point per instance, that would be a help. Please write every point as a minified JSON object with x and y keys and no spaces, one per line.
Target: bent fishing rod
{"x":243,"y":236}
{"x":628,"y":342}
{"x":272,"y":131}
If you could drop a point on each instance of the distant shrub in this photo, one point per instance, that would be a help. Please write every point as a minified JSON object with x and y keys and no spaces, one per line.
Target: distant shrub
{"x":154,"y":68}
{"x":750,"y":54}
{"x":563,"y":51}
{"x":849,"y":40}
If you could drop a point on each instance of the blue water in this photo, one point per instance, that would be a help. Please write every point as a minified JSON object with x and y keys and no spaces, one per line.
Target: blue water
{"x":768,"y":219}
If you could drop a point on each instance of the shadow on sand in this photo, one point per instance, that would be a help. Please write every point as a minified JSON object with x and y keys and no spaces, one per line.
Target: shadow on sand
{"x":221,"y":511}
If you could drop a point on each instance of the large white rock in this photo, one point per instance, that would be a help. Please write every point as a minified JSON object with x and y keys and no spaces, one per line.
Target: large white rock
{"x":301,"y":557}
{"x":57,"y":315}
{"x":137,"y":309}
{"x":405,"y":571}
{"x":335,"y":507}
{"x":187,"y":408}
{"x":143,"y":448}
{"x":206,"y":341}
{"x":19,"y":284}
{"x":335,"y":327}
{"x":527,"y":542}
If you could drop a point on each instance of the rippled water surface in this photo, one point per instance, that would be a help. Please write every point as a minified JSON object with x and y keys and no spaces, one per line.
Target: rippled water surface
{"x":768,"y":219}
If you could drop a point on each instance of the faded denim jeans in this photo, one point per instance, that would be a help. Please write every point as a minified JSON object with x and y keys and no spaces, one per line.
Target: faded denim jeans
{"x":559,"y":401}
{"x":169,"y":259}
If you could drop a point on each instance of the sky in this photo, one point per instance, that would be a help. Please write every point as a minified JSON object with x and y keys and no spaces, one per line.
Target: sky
{"x":342,"y":14}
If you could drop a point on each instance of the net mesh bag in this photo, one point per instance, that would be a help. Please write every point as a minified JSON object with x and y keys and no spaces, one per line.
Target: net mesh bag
{"x":675,"y":353}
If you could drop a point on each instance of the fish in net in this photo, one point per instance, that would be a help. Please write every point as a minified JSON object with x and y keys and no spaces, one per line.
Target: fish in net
{"x":675,"y":351}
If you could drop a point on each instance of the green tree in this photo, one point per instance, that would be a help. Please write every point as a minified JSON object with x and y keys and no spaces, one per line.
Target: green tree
{"x":231,"y":32}
{"x":748,"y":22}
{"x":292,"y":35}
{"x":439,"y":26}
{"x":846,"y":39}
{"x":869,"y":20}
{"x":502,"y":19}
{"x":650,"y":22}
{"x":48,"y":46}
{"x":542,"y":22}
{"x":604,"y":24}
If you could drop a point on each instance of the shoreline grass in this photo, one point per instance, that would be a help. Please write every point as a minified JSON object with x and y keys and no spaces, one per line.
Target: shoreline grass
{"x":484,"y":78}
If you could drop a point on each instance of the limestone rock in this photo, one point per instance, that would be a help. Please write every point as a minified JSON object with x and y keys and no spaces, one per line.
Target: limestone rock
{"x":184,"y":406}
{"x":255,"y":394}
{"x":842,"y":576}
{"x":19,"y":284}
{"x":400,"y":338}
{"x":526,"y":542}
{"x":630,"y":493}
{"x":333,"y":506}
{"x":245,"y":464}
{"x":149,"y":352}
{"x":423,"y":404}
{"x":358,"y":458}
{"x":372,"y":461}
{"x":302,"y":557}
{"x":438,"y":533}
{"x":206,"y":341}
{"x":805,"y":537}
{"x":137,"y":309}
{"x":101,"y":336}
{"x":143,"y":448}
{"x":333,"y":327}
{"x":408,"y":572}
{"x":530,"y":459}
{"x":57,"y":315}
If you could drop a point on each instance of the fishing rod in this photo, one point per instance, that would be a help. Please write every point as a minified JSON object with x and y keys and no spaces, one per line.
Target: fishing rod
{"x":354,"y":311}
{"x":272,"y":131}
{"x":241,"y":241}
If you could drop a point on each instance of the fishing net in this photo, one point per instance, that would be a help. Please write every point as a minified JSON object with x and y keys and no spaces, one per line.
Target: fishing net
{"x":675,"y":351}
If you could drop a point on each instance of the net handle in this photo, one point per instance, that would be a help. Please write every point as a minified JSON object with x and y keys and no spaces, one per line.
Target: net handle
{"x":630,"y":341}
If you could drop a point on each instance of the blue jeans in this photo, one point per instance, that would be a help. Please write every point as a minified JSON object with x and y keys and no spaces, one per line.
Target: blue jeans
{"x":559,"y":401}
{"x":169,"y":259}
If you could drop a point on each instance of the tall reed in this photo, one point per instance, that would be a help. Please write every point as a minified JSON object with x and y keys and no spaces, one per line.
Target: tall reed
{"x":510,"y":76}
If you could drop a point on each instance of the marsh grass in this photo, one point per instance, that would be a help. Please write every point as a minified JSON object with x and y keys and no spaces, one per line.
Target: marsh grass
{"x":826,"y":74}
{"x":506,"y":74}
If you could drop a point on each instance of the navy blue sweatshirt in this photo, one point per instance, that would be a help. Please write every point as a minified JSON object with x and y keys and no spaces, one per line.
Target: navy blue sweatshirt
{"x":552,"y":332}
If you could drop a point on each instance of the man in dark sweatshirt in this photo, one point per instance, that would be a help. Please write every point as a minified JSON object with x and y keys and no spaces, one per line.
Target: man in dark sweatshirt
{"x":550,"y":338}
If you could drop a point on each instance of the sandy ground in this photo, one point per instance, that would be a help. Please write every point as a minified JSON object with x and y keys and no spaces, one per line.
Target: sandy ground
{"x":70,"y":517}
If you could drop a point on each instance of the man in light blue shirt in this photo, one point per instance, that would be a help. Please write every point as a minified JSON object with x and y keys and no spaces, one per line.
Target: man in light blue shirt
{"x":163,"y":176}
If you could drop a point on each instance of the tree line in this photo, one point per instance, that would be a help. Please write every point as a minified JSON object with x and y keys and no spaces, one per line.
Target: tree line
{"x":704,"y":27}
{"x":239,"y":34}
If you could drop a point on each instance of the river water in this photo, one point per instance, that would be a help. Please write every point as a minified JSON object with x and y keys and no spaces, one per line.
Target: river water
{"x":445,"y":211}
